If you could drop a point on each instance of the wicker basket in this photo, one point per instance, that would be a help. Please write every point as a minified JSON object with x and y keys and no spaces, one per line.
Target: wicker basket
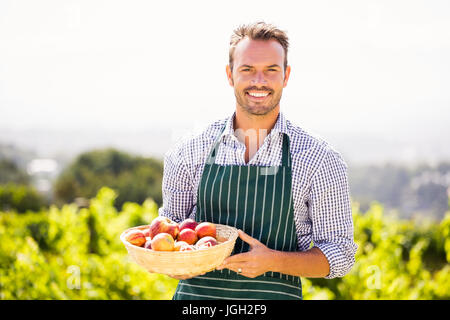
{"x":189,"y":263}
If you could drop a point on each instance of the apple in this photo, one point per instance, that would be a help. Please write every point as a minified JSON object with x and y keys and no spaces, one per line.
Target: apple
{"x":205,"y":229}
{"x":207,"y":242}
{"x":146,"y":232}
{"x":162,"y":242}
{"x":188,"y":223}
{"x":188,"y":235}
{"x":136,"y":237}
{"x":163,"y":224}
{"x":179,"y":245}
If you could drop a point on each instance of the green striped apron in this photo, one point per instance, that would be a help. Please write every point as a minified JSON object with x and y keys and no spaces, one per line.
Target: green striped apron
{"x":257,"y":200}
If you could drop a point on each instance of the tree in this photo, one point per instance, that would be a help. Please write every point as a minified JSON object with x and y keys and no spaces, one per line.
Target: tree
{"x":134,"y":178}
{"x":10,"y":172}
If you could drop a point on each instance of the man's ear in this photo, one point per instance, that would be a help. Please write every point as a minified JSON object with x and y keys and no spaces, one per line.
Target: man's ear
{"x":287,"y":73}
{"x":230,"y":75}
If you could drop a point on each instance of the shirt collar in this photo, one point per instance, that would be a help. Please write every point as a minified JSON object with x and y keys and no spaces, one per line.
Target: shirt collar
{"x":279,"y":127}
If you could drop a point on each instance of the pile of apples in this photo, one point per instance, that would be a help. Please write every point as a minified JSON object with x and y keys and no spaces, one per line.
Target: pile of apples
{"x":163,"y":234}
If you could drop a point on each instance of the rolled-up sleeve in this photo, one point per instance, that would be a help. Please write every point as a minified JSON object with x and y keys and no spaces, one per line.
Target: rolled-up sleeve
{"x":176,"y":187}
{"x":331,"y":214}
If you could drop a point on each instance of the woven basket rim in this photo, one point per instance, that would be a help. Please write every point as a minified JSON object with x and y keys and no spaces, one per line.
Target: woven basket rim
{"x":149,"y":251}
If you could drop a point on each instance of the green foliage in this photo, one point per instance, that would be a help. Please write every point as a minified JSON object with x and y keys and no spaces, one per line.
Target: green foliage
{"x":133,"y":177}
{"x":16,"y":193}
{"x":73,"y":253}
{"x":20,"y":198}
{"x":396,"y":259}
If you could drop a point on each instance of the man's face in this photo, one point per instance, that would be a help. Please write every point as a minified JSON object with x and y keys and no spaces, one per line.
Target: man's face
{"x":258,"y":76}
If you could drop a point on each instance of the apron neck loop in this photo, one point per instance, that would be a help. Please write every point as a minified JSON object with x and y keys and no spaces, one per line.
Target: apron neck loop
{"x":285,"y":160}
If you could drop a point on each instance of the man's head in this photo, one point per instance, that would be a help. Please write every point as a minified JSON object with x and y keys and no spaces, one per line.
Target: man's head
{"x":258,"y":68}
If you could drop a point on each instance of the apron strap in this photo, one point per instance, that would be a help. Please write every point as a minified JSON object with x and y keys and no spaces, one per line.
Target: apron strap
{"x":286,"y":157}
{"x":212,"y":154}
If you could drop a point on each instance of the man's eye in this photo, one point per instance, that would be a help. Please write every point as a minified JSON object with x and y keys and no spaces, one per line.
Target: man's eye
{"x":246,"y":69}
{"x":272,"y":69}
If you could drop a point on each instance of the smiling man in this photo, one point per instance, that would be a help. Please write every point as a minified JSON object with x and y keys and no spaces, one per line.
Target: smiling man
{"x":284,"y":189}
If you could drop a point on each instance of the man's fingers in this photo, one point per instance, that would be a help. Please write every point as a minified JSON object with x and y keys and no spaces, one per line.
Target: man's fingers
{"x":240,"y":257}
{"x":233,"y":266}
{"x":245,"y":269}
{"x":250,"y":240}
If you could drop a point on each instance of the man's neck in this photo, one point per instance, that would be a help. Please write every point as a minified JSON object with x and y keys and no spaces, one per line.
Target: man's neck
{"x":253,"y":129}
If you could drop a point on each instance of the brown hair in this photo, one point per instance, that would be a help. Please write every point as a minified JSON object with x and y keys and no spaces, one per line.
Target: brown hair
{"x":258,"y":31}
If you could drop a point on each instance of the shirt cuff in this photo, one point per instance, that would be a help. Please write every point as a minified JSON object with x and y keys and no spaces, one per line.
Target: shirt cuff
{"x":340,"y":263}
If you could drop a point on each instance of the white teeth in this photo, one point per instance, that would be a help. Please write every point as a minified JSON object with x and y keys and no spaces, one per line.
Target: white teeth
{"x":254,"y":94}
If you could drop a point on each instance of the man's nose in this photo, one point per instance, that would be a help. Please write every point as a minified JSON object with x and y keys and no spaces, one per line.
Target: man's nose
{"x":259,"y":78}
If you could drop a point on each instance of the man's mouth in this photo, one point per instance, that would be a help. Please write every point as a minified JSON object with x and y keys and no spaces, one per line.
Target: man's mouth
{"x":259,"y":95}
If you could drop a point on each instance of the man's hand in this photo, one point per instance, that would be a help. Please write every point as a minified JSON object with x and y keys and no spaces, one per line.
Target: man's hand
{"x":311,"y":263}
{"x":252,"y":263}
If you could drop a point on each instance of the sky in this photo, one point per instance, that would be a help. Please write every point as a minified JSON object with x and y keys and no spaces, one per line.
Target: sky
{"x":358,"y":67}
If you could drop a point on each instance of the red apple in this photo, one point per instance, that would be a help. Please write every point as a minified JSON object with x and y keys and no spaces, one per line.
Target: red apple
{"x":162,"y":242}
{"x":188,"y":235}
{"x":207,"y":241}
{"x":136,"y":237}
{"x":173,"y":230}
{"x":188,"y":223}
{"x":146,"y":232}
{"x":205,"y":229}
{"x":164,"y":225}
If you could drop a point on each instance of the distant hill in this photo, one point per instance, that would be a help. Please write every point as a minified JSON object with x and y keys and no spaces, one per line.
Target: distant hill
{"x":357,"y":148}
{"x":422,"y":190}
{"x":21,"y":156}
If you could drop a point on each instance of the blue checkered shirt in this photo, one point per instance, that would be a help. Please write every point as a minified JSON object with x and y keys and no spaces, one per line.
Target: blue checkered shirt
{"x":320,"y":190}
